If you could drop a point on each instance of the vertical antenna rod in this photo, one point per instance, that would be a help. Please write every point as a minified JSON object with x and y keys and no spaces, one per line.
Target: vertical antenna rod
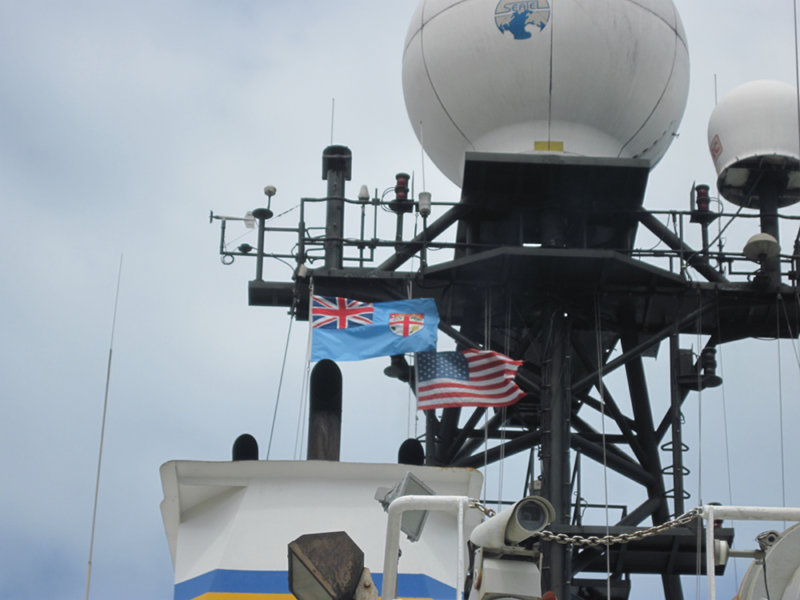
{"x":102,"y":432}
{"x":333,"y":112}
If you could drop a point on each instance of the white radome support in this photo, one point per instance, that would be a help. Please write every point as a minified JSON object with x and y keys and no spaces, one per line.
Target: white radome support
{"x":601,"y":79}
{"x":753,"y":129}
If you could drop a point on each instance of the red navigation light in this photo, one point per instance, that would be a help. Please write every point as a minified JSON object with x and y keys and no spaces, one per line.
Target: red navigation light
{"x":702,"y":197}
{"x":401,"y":187}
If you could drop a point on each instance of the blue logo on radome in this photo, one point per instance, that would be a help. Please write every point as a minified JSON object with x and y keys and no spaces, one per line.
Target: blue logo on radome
{"x":520,"y":16}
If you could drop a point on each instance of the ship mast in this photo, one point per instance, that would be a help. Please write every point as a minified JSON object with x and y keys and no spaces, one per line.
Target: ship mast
{"x":544,"y":268}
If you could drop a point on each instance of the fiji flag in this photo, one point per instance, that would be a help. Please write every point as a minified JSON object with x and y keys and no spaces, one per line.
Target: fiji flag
{"x":343,"y":329}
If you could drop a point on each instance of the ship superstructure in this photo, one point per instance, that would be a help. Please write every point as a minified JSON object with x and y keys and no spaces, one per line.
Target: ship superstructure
{"x":550,"y":119}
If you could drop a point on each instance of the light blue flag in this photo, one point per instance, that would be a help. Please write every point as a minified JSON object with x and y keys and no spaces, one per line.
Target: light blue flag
{"x":344,"y":329}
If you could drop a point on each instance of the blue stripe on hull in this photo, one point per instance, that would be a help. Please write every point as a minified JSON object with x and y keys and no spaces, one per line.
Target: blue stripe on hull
{"x":277,"y":582}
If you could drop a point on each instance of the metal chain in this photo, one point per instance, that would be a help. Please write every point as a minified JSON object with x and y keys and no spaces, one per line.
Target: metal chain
{"x":606,"y":540}
{"x":623,"y":538}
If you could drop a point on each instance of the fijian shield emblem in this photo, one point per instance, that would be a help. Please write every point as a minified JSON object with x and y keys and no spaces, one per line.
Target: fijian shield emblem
{"x":404,"y":325}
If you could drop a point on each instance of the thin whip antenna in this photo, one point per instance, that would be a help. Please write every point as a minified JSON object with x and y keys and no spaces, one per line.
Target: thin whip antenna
{"x":102,"y":432}
{"x":280,"y":384}
{"x":333,"y":112}
{"x":716,"y":101}
{"x":422,"y":154}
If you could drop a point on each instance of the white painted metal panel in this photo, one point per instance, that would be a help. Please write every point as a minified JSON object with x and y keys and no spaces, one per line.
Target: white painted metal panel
{"x":242,"y":515}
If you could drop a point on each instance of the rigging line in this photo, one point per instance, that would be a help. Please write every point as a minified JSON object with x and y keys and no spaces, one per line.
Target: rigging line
{"x":601,"y":389}
{"x":699,"y":410}
{"x":506,"y":344}
{"x":485,"y":453}
{"x":721,"y":363}
{"x":280,"y":379}
{"x":411,"y":404}
{"x":102,"y":432}
{"x":422,"y":152}
{"x":306,"y":373}
{"x":409,"y":414}
{"x":792,"y":336}
{"x":416,"y":395}
{"x":699,"y":444}
{"x":487,"y":329}
{"x":780,"y":403}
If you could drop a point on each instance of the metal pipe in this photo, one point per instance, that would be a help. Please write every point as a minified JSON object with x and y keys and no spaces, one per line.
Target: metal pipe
{"x":336,"y":166}
{"x":737,"y":513}
{"x":451,"y":504}
{"x":261,"y":215}
{"x":406,"y":251}
{"x":301,"y":234}
{"x":508,"y":449}
{"x":637,"y":350}
{"x":694,"y":258}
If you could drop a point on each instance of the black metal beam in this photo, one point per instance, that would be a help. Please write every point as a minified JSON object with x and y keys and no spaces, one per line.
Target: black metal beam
{"x":636,"y":351}
{"x":609,"y":407}
{"x":464,"y":433}
{"x":556,"y":410}
{"x":407,"y":250}
{"x":628,"y":468}
{"x":503,"y":450}
{"x":666,"y":421}
{"x":643,"y":415}
{"x":693,"y":257}
{"x":468,"y":447}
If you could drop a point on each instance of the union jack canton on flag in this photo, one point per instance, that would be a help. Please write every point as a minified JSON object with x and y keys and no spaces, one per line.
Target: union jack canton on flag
{"x":345,"y":329}
{"x":339,"y":313}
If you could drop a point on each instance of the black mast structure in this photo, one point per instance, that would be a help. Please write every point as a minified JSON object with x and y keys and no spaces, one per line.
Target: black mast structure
{"x":544,"y":269}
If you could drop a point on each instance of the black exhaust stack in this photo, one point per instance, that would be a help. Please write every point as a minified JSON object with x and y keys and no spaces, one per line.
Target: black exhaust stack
{"x":325,"y":413}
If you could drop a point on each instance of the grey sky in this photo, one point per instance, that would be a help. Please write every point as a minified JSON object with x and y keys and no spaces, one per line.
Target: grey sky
{"x":121,"y":126}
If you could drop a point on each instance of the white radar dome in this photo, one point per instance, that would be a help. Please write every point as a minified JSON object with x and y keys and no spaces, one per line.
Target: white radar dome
{"x":753,"y":140}
{"x":606,"y":78}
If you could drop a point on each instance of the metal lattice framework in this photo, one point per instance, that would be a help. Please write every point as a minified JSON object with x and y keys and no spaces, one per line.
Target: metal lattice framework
{"x":544,"y":269}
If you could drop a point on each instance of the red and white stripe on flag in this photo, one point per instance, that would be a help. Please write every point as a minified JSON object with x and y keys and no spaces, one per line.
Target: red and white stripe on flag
{"x":466,"y":378}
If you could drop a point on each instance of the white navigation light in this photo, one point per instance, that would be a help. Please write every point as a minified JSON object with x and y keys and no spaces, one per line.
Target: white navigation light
{"x":598,"y":79}
{"x":413,"y":521}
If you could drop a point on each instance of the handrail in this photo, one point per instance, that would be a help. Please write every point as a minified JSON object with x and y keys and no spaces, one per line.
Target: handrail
{"x":453,"y":504}
{"x":737,"y":513}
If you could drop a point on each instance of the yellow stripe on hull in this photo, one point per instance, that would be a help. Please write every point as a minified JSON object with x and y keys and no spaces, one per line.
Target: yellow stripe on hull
{"x":243,"y":596}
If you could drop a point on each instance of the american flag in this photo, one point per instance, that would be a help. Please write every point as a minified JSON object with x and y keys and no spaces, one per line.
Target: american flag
{"x":340,"y":313}
{"x":466,"y":378}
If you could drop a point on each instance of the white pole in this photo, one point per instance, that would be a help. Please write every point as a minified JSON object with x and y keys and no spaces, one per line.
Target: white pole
{"x":452,"y":504}
{"x":738,"y":513}
{"x":708,"y":514}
